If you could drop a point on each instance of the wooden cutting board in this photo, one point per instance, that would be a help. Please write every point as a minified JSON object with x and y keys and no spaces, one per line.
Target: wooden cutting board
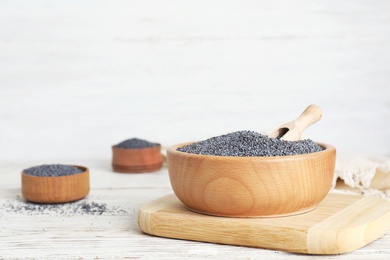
{"x":341,"y":223}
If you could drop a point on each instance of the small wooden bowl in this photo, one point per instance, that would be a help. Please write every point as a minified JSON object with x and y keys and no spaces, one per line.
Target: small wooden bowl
{"x":58,"y":189}
{"x":137,"y":160}
{"x":251,"y":186}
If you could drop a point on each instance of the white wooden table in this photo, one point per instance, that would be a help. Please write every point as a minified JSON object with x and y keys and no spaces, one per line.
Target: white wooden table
{"x":61,"y":233}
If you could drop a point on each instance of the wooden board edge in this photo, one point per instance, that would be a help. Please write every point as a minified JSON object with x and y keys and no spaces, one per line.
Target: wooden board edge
{"x":145,"y":213}
{"x":325,"y":239}
{"x":351,"y":228}
{"x":164,"y":218}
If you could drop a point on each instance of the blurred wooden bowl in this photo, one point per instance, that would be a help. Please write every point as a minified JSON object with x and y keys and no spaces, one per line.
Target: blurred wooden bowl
{"x":58,"y":189}
{"x":251,"y":186}
{"x":137,"y":160}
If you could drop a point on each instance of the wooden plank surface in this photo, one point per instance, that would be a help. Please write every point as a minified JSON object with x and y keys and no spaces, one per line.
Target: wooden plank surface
{"x":89,"y":74}
{"x":66,"y":232}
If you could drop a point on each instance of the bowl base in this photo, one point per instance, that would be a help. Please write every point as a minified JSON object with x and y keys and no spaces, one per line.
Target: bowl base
{"x":136,"y":168}
{"x":302,"y":211}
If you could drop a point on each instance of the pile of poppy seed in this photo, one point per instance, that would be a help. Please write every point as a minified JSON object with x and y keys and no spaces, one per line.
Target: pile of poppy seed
{"x":135,"y":143}
{"x":52,"y":170}
{"x":250,"y":143}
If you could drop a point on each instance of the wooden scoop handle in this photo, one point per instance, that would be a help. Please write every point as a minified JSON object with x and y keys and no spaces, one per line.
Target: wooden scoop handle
{"x":308,"y":117}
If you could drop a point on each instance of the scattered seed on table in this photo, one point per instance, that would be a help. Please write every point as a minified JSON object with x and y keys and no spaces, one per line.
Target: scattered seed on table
{"x":83,"y":207}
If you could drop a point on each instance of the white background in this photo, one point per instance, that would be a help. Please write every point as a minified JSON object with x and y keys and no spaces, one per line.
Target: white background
{"x":79,"y":76}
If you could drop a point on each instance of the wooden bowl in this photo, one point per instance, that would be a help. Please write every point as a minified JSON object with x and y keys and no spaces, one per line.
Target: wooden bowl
{"x":57,"y":189}
{"x":251,"y":186}
{"x":137,"y":160}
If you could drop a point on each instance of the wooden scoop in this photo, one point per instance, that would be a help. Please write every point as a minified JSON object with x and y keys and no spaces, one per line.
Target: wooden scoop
{"x":292,"y":131}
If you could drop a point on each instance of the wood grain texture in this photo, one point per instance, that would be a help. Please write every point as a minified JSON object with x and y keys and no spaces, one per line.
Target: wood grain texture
{"x":341,"y":223}
{"x":56,"y":189}
{"x":354,"y":226}
{"x":251,"y":186}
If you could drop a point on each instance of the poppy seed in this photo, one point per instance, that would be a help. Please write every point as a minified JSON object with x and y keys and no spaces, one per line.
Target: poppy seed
{"x":52,"y":170}
{"x":135,"y":143}
{"x":250,"y":143}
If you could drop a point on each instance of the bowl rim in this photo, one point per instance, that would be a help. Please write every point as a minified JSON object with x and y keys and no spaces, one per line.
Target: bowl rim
{"x":113,"y":147}
{"x":173,"y":150}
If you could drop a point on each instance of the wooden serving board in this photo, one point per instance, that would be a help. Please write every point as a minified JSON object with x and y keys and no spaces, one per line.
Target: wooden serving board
{"x":341,"y":223}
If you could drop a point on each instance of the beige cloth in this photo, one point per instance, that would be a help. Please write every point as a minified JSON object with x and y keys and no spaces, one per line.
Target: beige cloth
{"x":363,"y":174}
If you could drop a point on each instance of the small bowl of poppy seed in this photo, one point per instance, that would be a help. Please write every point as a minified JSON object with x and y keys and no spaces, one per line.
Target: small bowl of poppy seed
{"x":247,"y":174}
{"x":136,"y":155}
{"x":55,"y":183}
